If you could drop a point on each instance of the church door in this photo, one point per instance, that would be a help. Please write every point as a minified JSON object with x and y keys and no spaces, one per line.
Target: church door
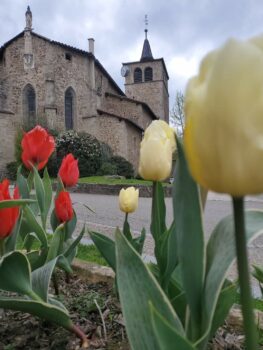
{"x":69,"y":108}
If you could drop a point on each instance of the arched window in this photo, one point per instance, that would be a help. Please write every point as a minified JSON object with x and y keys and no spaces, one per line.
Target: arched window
{"x":29,"y":106}
{"x":69,"y":108}
{"x":137,"y":75}
{"x":148,"y":74}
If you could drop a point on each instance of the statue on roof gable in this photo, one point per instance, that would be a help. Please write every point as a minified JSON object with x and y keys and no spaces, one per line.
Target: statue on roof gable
{"x":28,"y":18}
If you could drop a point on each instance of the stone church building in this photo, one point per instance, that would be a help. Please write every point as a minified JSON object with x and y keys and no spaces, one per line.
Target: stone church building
{"x":54,"y":84}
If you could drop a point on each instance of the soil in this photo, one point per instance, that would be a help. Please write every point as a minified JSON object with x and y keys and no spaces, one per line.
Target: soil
{"x":23,"y":331}
{"x":20,"y":331}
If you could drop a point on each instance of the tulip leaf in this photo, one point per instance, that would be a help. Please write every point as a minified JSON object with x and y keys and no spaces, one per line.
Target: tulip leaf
{"x":10,"y":242}
{"x":48,"y":194}
{"x":72,"y":247}
{"x":168,"y":338}
{"x":15,"y":273}
{"x":54,"y":222}
{"x":137,"y":287}
{"x":40,"y":194}
{"x":106,"y":247}
{"x":70,"y":226}
{"x":37,"y":258}
{"x":50,"y":312}
{"x":258,"y":273}
{"x":190,"y":238}
{"x":40,"y":191}
{"x":138,"y":242}
{"x":56,"y":244}
{"x":168,"y":254}
{"x":41,"y":277}
{"x":10,"y":203}
{"x":221,"y":253}
{"x":34,"y":226}
{"x":225,"y":301}
{"x":22,"y":185}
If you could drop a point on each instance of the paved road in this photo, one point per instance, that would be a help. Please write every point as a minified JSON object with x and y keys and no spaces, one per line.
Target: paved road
{"x":107,"y":217}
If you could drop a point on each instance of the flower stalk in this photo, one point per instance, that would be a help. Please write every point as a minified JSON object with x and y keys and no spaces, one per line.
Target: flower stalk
{"x":2,"y":247}
{"x":243,"y":271}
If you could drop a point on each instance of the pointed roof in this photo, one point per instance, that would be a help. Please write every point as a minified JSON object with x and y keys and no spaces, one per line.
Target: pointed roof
{"x":146,"y":50}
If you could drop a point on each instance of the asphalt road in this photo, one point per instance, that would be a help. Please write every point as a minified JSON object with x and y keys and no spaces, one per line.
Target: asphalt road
{"x":107,"y":217}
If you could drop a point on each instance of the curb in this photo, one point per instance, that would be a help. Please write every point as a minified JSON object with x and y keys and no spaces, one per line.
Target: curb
{"x":113,"y":190}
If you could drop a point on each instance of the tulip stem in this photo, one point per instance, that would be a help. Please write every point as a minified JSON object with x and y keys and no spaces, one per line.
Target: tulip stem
{"x":243,"y":271}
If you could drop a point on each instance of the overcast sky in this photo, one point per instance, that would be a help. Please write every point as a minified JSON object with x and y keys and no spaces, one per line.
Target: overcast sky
{"x":180,"y":31}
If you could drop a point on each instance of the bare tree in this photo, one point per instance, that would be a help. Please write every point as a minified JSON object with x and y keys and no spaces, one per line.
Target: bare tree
{"x":177,"y":117}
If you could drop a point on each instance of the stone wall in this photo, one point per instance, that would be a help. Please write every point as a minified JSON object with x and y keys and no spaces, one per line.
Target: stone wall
{"x":50,"y":76}
{"x":128,"y":109}
{"x":8,"y":129}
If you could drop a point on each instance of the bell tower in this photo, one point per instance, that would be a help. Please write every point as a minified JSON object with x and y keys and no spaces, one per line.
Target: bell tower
{"x":146,"y":80}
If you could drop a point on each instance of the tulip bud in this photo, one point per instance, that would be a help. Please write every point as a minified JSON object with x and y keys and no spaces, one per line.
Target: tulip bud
{"x":63,"y":207}
{"x":37,"y":146}
{"x":128,"y":199}
{"x":69,"y":171}
{"x":156,"y":151}
{"x":224,"y":109}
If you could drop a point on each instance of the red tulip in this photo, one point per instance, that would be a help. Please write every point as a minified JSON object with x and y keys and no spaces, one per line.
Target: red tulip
{"x":37,"y":146}
{"x":63,"y":207}
{"x":69,"y":171}
{"x":8,"y":216}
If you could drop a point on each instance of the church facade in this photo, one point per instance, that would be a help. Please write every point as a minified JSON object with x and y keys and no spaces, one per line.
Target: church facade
{"x":57,"y":85}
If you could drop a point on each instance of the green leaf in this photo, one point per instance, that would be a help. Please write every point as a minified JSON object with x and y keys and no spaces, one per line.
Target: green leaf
{"x":54,"y":222}
{"x":138,"y":287}
{"x":40,"y":193}
{"x":37,"y":258}
{"x":22,"y":185}
{"x":72,"y":247}
{"x":34,"y":226}
{"x":41,"y":278}
{"x":258,"y":273}
{"x":48,"y":194}
{"x":138,"y":242}
{"x":15,"y":202}
{"x":168,"y":338}
{"x":56,"y":245}
{"x":70,"y":226}
{"x":158,"y":226}
{"x":221,"y":253}
{"x":168,"y":254}
{"x":10,"y":242}
{"x":15,"y":273}
{"x":190,"y":238}
{"x":225,"y":301}
{"x":43,"y":310}
{"x":106,"y":247}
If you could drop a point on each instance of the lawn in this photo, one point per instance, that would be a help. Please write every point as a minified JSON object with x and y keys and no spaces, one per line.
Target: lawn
{"x":105,"y":180}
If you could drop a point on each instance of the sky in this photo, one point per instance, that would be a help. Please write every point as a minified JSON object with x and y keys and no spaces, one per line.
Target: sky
{"x":180,"y":31}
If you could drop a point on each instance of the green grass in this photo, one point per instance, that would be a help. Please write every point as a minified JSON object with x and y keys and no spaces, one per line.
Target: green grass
{"x":104,"y":180}
{"x":85,"y":252}
{"x":90,"y":253}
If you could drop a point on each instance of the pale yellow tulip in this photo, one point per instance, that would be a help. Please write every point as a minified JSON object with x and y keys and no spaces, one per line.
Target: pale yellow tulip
{"x":224,"y":119}
{"x":128,"y":199}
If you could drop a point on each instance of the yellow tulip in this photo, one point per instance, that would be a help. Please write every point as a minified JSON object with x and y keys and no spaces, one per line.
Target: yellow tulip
{"x":156,"y":151}
{"x":224,"y":119}
{"x":155,"y":160}
{"x":128,"y":199}
{"x":160,"y":129}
